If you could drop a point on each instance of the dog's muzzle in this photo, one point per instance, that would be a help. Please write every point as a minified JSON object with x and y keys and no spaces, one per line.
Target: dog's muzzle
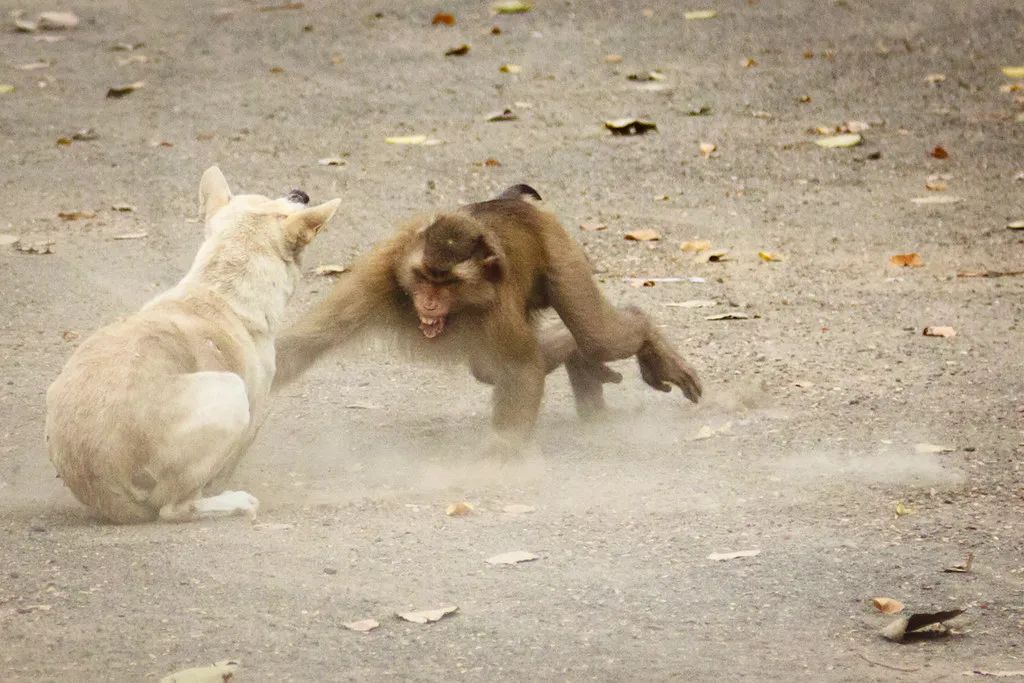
{"x":298,"y":197}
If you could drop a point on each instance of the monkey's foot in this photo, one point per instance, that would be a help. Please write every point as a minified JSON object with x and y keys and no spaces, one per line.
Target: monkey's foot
{"x":661,"y":368}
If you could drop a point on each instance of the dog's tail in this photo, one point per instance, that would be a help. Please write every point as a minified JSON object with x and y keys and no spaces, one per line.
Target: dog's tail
{"x":519,"y":191}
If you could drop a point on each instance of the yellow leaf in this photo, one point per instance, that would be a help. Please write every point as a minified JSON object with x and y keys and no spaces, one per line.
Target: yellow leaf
{"x":645,"y":235}
{"x":769,"y":257}
{"x":460,"y":509}
{"x":512,"y":7}
{"x":887,"y":605}
{"x":848,"y":140}
{"x":707,"y":149}
{"x":699,"y":14}
{"x":6,"y":88}
{"x":510,"y":68}
{"x":911,"y":260}
{"x":695,"y":246}
{"x":411,"y":140}
{"x":1013,"y":71}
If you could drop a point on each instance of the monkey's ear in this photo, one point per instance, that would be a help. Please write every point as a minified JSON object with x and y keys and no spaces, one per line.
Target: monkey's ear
{"x":214,"y":192}
{"x":302,"y":227}
{"x":492,"y":263}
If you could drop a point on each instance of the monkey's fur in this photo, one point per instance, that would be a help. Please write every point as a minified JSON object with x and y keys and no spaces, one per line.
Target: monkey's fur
{"x":468,"y":285}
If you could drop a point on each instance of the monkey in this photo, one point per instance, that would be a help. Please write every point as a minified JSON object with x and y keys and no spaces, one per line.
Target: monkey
{"x":469,"y":285}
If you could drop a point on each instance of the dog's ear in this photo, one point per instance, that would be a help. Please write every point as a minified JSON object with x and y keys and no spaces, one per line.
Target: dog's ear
{"x":214,"y":192}
{"x":300,"y":228}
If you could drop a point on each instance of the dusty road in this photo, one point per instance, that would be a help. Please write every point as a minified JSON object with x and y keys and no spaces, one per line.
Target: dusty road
{"x":816,"y":403}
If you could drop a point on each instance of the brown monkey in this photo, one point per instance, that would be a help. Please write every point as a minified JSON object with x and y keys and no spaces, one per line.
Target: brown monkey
{"x":468,"y":285}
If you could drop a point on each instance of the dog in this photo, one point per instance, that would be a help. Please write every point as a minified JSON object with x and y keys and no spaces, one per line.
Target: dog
{"x":152,"y":413}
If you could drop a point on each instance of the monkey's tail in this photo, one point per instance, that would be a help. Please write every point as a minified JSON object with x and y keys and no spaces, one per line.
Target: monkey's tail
{"x":519,"y":191}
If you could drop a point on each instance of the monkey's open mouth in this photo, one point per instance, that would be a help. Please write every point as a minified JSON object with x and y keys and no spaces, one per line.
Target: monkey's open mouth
{"x":431,"y":327}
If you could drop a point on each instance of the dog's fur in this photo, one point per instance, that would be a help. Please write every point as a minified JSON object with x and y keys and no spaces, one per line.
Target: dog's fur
{"x":152,"y":411}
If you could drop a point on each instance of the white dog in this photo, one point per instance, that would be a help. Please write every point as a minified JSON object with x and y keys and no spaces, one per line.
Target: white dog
{"x":152,"y":411}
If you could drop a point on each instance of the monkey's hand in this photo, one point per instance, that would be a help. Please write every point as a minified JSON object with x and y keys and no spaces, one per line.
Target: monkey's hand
{"x":661,"y":367}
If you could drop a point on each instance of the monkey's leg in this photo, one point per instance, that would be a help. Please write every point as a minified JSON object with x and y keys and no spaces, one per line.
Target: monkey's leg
{"x":604,"y":333}
{"x":512,"y":359}
{"x":587,"y":377}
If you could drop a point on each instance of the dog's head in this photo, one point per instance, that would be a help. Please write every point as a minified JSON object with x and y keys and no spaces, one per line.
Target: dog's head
{"x":288,"y":224}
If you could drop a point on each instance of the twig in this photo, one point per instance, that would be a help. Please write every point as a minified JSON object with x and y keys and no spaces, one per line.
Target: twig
{"x":888,"y":666}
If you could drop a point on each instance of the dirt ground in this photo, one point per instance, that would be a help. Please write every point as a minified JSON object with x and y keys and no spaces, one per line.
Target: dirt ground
{"x":816,"y":405}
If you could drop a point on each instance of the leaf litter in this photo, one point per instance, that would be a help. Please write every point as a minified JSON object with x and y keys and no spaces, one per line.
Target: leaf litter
{"x":428,"y":616}
{"x":363,"y":625}
{"x":721,"y":557}
{"x":630,"y":126}
{"x":642,"y":235}
{"x":887,"y":605}
{"x":513,"y":557}
{"x":217,"y":673}
{"x":920,"y":625}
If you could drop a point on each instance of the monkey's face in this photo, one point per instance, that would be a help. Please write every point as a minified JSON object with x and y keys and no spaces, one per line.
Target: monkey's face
{"x":451,"y":267}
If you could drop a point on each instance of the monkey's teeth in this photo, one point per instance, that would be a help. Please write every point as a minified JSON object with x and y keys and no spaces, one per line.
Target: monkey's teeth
{"x":431,"y":327}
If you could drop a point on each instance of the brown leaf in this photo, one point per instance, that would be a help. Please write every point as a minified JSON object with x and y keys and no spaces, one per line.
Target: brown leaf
{"x":503,"y":115}
{"x":513,"y":557}
{"x":443,"y":18}
{"x":732,"y":315}
{"x":939,"y":152}
{"x":76,"y":215}
{"x":491,"y":162}
{"x":911,"y":260}
{"x":935,"y":79}
{"x":887,"y":605}
{"x":629,"y":126}
{"x":936,"y":186}
{"x":748,"y":62}
{"x":612,"y":59}
{"x":457,"y":51}
{"x":593,"y":227}
{"x":57,"y":21}
{"x":510,"y":68}
{"x":85,"y":134}
{"x":903,"y":626}
{"x":939,"y":331}
{"x":644,"y":235}
{"x":127,"y":89}
{"x":961,"y":568}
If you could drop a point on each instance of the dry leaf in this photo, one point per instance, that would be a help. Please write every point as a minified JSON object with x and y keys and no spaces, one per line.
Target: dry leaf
{"x":131,"y":236}
{"x":512,"y":7}
{"x":748,"y":62}
{"x":630,"y":126}
{"x":43,"y":247}
{"x":698,"y":110}
{"x":6,"y":88}
{"x":839,"y":141}
{"x":644,"y":235}
{"x":1015,"y":225}
{"x":649,"y":76}
{"x":612,"y":59}
{"x":33,"y":66}
{"x":887,"y":605}
{"x":936,"y":186}
{"x":692,"y":303}
{"x":85,"y":134}
{"x":961,"y":568}
{"x":902,"y":509}
{"x":707,"y":149}
{"x":76,"y":215}
{"x":732,"y":315}
{"x":939,"y":152}
{"x":939,"y":331}
{"x":695,"y":246}
{"x":457,"y":51}
{"x":926,"y":448}
{"x":56,"y":21}
{"x":593,"y":227}
{"x":122,"y":207}
{"x":514,"y":557}
{"x":70,"y":335}
{"x":429,"y":615}
{"x":126,"y":47}
{"x":503,"y":115}
{"x":696,"y":15}
{"x":8,"y":240}
{"x":221,"y":672}
{"x":854,"y":127}
{"x":719,"y":557}
{"x":411,"y":140}
{"x":363,"y":625}
{"x":935,"y":79}
{"x":460,"y":509}
{"x":284,"y":6}
{"x":517,"y":509}
{"x":804,"y":99}
{"x":277,"y":69}
{"x":132,"y":59}
{"x":991,"y":273}
{"x":491,"y":162}
{"x":911,"y":260}
{"x":122,"y":90}
{"x":898,"y":629}
{"x":716,"y":256}
{"x":443,"y":19}
{"x":510,"y":68}
{"x":272,"y":526}
{"x":1013,"y":71}
{"x":994,"y":674}
{"x":769,"y":257}
{"x":761,"y":114}
{"x":331,"y":161}
{"x":936,"y":199}
{"x":330,"y":269}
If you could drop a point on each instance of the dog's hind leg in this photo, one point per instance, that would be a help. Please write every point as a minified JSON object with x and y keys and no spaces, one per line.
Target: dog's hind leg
{"x":208,"y":423}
